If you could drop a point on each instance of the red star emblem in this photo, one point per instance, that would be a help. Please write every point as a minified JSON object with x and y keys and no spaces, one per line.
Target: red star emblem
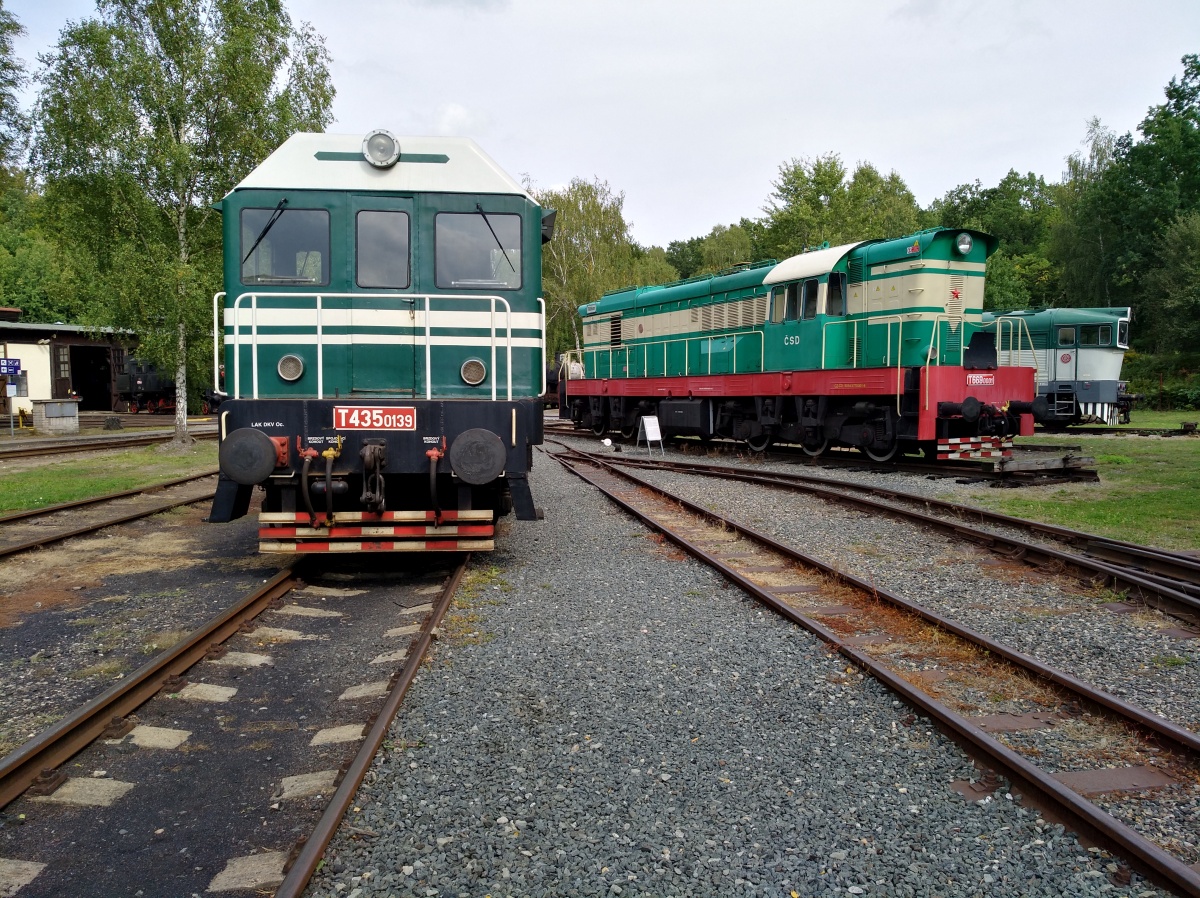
{"x":955,"y":293}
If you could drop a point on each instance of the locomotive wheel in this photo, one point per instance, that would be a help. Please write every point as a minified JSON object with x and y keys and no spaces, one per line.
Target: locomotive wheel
{"x":629,"y":432}
{"x":815,"y":450}
{"x":885,"y":454}
{"x":599,"y":426}
{"x":759,"y":443}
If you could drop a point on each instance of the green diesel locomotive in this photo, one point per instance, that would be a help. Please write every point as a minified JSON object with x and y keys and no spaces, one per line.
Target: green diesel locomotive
{"x":877,"y":345}
{"x":383,"y":338}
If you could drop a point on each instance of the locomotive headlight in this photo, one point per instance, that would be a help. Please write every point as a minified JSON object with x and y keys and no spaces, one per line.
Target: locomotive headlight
{"x":381,"y":148}
{"x":473,"y":372}
{"x":290,"y":367}
{"x":964,"y":243}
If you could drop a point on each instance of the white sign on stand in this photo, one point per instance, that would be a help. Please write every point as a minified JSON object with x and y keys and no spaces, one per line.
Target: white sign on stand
{"x":649,"y":431}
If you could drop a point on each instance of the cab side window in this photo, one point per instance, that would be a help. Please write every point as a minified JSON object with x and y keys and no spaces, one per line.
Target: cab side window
{"x":809,"y":308}
{"x":785,"y":303}
{"x":835,"y":297}
{"x":1066,"y":336}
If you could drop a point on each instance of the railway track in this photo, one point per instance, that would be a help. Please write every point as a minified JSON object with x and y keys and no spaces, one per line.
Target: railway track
{"x":1070,"y":467}
{"x":209,"y":777}
{"x":95,"y":444}
{"x":20,"y":531}
{"x":1169,"y":581}
{"x":952,"y":673}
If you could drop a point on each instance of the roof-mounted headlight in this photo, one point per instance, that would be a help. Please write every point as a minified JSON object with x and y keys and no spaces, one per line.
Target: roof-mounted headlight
{"x":964,"y":243}
{"x":381,"y":148}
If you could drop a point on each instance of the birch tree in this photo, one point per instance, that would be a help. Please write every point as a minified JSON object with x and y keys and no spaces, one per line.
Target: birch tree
{"x":146,"y":115}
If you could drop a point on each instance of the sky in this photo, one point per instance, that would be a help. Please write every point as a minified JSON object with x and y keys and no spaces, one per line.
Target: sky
{"x":690,"y":107}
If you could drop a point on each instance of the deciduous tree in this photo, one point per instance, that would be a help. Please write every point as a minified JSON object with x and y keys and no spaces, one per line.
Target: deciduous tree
{"x":146,"y":115}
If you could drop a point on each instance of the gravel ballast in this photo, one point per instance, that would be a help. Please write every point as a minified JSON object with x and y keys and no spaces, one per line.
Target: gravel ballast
{"x":614,"y":720}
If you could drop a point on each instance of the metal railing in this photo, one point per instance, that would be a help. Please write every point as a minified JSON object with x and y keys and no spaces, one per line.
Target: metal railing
{"x":582,"y":355}
{"x":409,"y":299}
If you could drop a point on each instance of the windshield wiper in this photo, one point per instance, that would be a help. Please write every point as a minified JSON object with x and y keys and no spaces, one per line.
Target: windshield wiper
{"x":503,"y":251}
{"x":270,"y":224}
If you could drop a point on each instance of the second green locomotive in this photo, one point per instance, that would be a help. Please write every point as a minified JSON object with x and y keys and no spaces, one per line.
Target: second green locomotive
{"x":878,"y":345}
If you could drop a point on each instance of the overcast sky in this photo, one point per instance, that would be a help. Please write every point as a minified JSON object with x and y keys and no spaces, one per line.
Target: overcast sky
{"x":690,"y":106}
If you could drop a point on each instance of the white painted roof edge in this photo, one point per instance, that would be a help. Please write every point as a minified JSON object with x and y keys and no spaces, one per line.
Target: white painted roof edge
{"x":294,"y":166}
{"x":808,"y":265}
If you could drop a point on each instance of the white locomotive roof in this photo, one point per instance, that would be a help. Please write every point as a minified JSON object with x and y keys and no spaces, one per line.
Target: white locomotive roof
{"x":808,"y":265}
{"x":309,"y":161}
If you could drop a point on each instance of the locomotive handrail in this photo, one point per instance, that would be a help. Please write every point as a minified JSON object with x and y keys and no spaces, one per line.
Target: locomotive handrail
{"x":217,"y":354}
{"x":687,"y":370}
{"x":1016,"y":327}
{"x":542,"y":331}
{"x":409,"y":298}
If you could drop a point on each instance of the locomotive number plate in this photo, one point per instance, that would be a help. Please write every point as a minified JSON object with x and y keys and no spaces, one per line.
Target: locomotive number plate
{"x":981,"y":380}
{"x":366,"y":417}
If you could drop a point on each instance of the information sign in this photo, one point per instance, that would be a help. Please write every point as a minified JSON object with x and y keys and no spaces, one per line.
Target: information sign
{"x":10,"y":367}
{"x":649,"y":430}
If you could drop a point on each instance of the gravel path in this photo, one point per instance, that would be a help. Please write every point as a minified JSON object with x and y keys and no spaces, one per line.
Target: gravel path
{"x":619,"y":722}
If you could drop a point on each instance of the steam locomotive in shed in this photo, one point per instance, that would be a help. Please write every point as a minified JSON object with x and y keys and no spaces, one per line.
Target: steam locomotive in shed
{"x":878,"y":345}
{"x":384,"y":345}
{"x":1078,"y":355}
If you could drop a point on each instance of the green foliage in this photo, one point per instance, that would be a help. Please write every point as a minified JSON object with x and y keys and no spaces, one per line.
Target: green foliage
{"x":723,"y":248}
{"x":686,"y":256}
{"x":14,"y":124}
{"x":591,"y":253}
{"x":813,"y":202}
{"x":147,"y":115}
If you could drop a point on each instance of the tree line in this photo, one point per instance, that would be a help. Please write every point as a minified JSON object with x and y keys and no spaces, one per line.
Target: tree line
{"x":1121,"y":228}
{"x":149,"y":111}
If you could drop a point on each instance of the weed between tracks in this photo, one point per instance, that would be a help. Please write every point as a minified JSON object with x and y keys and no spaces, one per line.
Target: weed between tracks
{"x":463,"y":624}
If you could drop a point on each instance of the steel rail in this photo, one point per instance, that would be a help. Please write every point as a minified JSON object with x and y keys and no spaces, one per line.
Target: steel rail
{"x":54,"y":746}
{"x":91,"y":528}
{"x":1085,"y":817}
{"x":300,"y":871}
{"x":1177,"y":599}
{"x":80,"y":503}
{"x":111,"y":443}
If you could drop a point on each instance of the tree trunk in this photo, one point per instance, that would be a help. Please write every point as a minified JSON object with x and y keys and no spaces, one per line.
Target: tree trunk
{"x":181,"y":431}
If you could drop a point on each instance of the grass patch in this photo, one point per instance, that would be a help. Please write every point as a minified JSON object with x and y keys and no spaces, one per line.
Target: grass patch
{"x":163,"y":640}
{"x":108,"y":668}
{"x":85,"y":477}
{"x":1169,"y":661}
{"x":1149,"y":491}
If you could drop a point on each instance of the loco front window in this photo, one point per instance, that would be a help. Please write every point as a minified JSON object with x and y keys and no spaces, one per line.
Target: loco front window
{"x":382,"y":249}
{"x":478,"y":250}
{"x":1066,"y":336}
{"x":285,"y":246}
{"x":1123,"y":334}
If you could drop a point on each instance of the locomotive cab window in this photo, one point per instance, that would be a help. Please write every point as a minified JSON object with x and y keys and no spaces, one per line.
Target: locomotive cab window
{"x":285,"y":246}
{"x":1095,"y":335}
{"x":1066,"y":336}
{"x":785,"y":303}
{"x":478,"y":250}
{"x":835,"y":296}
{"x":383,"y":255}
{"x":809,"y":309}
{"x":1123,"y":334}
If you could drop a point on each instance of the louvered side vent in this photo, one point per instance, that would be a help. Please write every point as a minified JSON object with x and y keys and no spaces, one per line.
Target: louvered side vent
{"x":629,"y":330}
{"x":695,"y":315}
{"x":719,"y":316}
{"x":855,"y":269}
{"x":614,"y":331}
{"x":706,"y":318}
{"x":758,"y":314}
{"x":955,"y":301}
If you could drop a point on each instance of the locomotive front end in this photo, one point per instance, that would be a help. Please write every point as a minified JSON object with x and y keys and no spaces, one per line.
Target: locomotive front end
{"x":383,"y":345}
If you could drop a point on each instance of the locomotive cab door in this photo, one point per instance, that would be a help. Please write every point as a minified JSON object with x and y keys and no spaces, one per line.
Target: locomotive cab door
{"x":383,"y":326}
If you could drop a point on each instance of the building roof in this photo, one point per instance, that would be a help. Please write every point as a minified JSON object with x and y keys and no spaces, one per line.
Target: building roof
{"x":309,"y":161}
{"x":30,"y":327}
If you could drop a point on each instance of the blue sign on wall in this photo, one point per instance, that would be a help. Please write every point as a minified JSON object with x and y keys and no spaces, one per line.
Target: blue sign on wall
{"x":11,"y":367}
